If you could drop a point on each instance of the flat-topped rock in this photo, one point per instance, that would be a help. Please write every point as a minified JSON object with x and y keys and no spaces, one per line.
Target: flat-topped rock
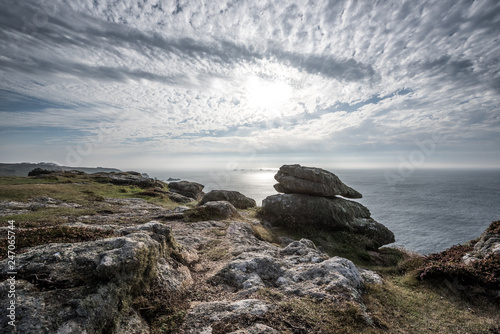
{"x":311,"y":181}
{"x":186,"y":188}
{"x":236,"y":198}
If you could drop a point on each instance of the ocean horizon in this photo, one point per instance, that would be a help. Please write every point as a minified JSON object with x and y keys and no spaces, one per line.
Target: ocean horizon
{"x":429,"y":210}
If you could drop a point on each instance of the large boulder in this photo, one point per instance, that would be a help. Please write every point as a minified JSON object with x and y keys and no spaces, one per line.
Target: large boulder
{"x":236,"y":198}
{"x":88,"y":287}
{"x":311,"y":181}
{"x":301,"y":212}
{"x":187,"y":188}
{"x":218,"y":210}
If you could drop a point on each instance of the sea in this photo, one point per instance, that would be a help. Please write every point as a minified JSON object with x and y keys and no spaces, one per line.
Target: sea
{"x":428,"y":210}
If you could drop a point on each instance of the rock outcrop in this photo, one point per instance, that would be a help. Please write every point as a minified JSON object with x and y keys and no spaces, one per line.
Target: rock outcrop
{"x":218,"y":210}
{"x":250,"y":265}
{"x":310,"y":204}
{"x":236,"y":198}
{"x":487,"y":245}
{"x":134,"y":179}
{"x":311,"y":181}
{"x":186,"y":188}
{"x":88,"y":287}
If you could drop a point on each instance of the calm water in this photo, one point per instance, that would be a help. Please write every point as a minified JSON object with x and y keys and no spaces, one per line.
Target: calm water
{"x":428,"y":211}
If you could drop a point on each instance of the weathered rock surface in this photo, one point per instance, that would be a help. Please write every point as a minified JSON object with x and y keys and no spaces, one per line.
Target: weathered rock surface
{"x":487,"y":245}
{"x":187,"y":188}
{"x":334,"y":214}
{"x":236,"y":198}
{"x":135,"y":179}
{"x":311,"y":181}
{"x":178,"y":198}
{"x":203,"y":315}
{"x":298,"y":270}
{"x":87,"y":287}
{"x":212,"y":211}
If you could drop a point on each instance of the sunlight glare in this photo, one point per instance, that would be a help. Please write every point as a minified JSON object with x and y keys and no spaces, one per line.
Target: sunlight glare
{"x":267,"y":96}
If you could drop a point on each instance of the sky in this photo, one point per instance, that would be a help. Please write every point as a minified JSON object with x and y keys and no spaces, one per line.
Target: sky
{"x":249,"y":84}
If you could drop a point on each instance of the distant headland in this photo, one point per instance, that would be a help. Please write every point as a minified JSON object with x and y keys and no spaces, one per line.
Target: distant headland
{"x":23,"y":168}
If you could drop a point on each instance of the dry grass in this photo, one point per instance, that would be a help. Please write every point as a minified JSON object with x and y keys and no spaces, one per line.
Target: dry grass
{"x":402,"y":305}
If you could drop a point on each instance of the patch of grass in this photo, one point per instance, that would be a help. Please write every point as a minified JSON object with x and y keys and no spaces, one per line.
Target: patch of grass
{"x":406,"y":306}
{"x":163,"y":310}
{"x":48,"y":216}
{"x":84,"y":190}
{"x":26,"y":238}
{"x":265,"y":234}
{"x":18,"y":180}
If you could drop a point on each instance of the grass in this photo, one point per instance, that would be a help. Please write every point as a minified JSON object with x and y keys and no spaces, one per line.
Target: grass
{"x":163,"y":310}
{"x":404,"y":305}
{"x":81,"y":189}
{"x":48,"y":216}
{"x":43,"y":224}
{"x":265,"y":234}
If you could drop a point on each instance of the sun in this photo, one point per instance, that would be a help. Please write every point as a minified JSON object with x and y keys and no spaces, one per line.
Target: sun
{"x":267,"y":96}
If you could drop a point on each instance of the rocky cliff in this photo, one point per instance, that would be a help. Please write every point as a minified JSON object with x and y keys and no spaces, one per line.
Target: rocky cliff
{"x":164,"y":268}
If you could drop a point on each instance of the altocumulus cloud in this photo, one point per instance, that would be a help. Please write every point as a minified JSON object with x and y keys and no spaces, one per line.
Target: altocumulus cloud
{"x":294,"y":78}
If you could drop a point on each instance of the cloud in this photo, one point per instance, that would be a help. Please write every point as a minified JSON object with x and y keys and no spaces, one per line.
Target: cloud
{"x":365,"y":76}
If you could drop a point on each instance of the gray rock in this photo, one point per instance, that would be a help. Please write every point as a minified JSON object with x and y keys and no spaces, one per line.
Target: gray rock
{"x":236,"y":198}
{"x":257,"y":329}
{"x":488,"y":244}
{"x":186,"y":188}
{"x":311,"y":181}
{"x":200,"y":318}
{"x":88,"y":287}
{"x":298,"y":211}
{"x":212,"y":211}
{"x":377,"y":234}
{"x":128,"y":179}
{"x":178,"y":198}
{"x":298,"y":269}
